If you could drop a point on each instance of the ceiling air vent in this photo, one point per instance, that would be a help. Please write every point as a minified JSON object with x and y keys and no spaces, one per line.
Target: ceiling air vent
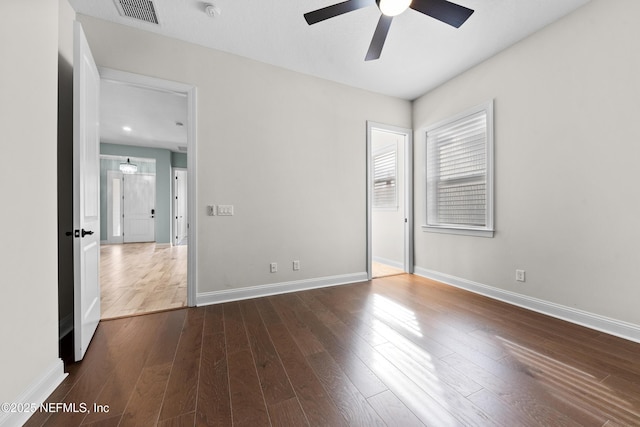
{"x":143,"y":10}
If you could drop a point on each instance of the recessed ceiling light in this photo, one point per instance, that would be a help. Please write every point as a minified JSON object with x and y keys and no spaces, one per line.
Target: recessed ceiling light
{"x":126,"y":128}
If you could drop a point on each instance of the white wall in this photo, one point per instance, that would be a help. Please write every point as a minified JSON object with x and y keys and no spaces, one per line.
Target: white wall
{"x":28,"y":257}
{"x":567,"y":148}
{"x":287,"y":150}
{"x":387,"y":225}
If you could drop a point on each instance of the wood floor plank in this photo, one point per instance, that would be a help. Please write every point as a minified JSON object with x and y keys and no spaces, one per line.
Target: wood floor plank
{"x":89,"y":386}
{"x":214,"y":401}
{"x":400,"y":350}
{"x":107,"y":422}
{"x":521,"y":393}
{"x":247,"y":401}
{"x":423,"y":405}
{"x":287,"y":413}
{"x":500,"y":412}
{"x":392,"y":411}
{"x":273,"y":379}
{"x":307,"y":342}
{"x":164,"y":349}
{"x":143,"y":408}
{"x":359,"y":373}
{"x":235,"y":334}
{"x":184,"y":420}
{"x":428,"y":372}
{"x":181,"y":392}
{"x":317,"y":405}
{"x":121,"y":383}
{"x":137,"y":278}
{"x":354,"y":407}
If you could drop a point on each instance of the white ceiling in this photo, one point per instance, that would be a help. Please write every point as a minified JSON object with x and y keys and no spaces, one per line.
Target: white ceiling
{"x":151,"y":116}
{"x":420,"y":52}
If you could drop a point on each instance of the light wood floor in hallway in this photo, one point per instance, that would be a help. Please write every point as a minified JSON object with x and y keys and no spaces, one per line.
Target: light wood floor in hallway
{"x":398,"y":351}
{"x":383,"y":270}
{"x":137,"y":278}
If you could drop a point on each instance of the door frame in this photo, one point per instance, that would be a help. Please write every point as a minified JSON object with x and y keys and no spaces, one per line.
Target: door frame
{"x":191,"y":92}
{"x":408,"y":193}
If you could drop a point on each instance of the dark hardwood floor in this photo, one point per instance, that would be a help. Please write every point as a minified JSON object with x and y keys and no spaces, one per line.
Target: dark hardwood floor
{"x":397,"y":351}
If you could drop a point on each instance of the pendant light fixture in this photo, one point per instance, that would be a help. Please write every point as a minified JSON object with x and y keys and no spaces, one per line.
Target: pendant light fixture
{"x":128,"y":167}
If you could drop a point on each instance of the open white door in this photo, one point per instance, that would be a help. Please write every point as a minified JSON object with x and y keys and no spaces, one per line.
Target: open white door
{"x":86,"y":193}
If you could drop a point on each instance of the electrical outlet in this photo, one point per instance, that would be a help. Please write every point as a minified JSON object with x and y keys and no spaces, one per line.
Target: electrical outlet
{"x":296,"y":265}
{"x":273,"y":267}
{"x":520,"y":275}
{"x":211,"y":210}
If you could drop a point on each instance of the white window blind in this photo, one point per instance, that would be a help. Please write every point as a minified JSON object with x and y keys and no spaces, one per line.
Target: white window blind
{"x":385,"y":194}
{"x":459,"y":193}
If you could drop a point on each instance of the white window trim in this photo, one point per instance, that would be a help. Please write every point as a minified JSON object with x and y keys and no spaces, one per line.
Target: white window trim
{"x":488,"y":230}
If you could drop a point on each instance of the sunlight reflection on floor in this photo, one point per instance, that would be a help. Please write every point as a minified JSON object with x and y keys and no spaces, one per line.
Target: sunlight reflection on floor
{"x":563,"y":380}
{"x":395,"y":313}
{"x":404,"y":366}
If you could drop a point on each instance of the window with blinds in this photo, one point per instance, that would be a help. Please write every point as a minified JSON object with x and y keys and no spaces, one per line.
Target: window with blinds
{"x":459,"y":173}
{"x":385,"y":191}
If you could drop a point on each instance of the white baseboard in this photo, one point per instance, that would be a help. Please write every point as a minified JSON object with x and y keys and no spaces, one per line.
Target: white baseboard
{"x":391,"y":263}
{"x":37,"y":393}
{"x":216,"y":297}
{"x":604,"y":324}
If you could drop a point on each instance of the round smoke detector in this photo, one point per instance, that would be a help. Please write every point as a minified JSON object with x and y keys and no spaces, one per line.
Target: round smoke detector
{"x":212,"y":11}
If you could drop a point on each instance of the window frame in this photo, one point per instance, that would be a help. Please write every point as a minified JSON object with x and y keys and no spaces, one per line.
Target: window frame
{"x":488,"y":229}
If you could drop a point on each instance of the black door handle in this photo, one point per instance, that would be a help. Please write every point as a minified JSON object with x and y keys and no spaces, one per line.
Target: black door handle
{"x":84,"y":232}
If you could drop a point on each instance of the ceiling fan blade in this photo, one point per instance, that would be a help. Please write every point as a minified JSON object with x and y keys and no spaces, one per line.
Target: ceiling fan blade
{"x":335,"y":10}
{"x":380,"y":35}
{"x":442,"y":10}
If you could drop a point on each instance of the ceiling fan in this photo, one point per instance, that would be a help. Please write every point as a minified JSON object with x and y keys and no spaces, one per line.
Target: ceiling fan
{"x":442,"y":10}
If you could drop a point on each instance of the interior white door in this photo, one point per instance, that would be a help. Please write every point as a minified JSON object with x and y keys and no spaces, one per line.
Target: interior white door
{"x":139,"y":208}
{"x":86,"y":193}
{"x":180,"y":205}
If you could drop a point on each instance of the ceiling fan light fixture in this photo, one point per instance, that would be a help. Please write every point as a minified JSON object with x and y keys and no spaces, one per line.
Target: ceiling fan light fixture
{"x":393,"y":7}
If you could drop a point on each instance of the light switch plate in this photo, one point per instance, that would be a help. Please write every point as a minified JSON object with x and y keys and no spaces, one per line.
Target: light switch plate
{"x":225,"y":210}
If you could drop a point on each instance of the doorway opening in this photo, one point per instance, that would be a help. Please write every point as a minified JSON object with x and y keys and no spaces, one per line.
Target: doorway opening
{"x":389,"y":201}
{"x":149,"y":123}
{"x":129,"y":201}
